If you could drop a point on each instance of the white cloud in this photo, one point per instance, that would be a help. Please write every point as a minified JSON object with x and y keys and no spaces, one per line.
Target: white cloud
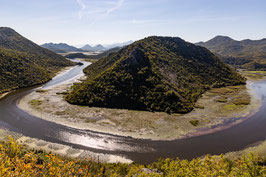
{"x":94,"y":9}
{"x":116,"y":7}
{"x":82,"y":8}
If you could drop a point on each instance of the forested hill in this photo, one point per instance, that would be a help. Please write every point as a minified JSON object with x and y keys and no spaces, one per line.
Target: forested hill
{"x":246,"y":54}
{"x":24,"y":63}
{"x":155,"y":74}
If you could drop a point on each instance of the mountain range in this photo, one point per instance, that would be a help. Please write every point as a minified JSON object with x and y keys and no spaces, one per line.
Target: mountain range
{"x":61,"y":48}
{"x":245,"y":54}
{"x":24,"y":63}
{"x":98,"y":47}
{"x":64,"y":48}
{"x":155,"y":74}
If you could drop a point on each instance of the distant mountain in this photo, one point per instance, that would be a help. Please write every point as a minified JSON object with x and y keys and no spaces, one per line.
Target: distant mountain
{"x":119,"y":44}
{"x":61,"y":48}
{"x":98,"y":47}
{"x":87,"y":47}
{"x":98,"y":56}
{"x":246,"y":54}
{"x":24,"y":63}
{"x":104,"y":54}
{"x":154,"y":74}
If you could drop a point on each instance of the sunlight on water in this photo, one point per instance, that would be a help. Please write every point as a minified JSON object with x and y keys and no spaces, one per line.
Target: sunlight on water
{"x":102,"y":143}
{"x":260,"y":89}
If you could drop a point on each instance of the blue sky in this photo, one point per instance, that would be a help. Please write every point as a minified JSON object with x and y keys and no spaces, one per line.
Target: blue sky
{"x":108,"y":21}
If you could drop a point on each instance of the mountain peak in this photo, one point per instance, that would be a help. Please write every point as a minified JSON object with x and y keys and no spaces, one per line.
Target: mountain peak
{"x":98,"y":47}
{"x":155,"y":74}
{"x":247,"y":54}
{"x":220,"y":39}
{"x":6,"y":29}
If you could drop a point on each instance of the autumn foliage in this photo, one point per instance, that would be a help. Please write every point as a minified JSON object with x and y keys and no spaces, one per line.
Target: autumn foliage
{"x":16,"y":160}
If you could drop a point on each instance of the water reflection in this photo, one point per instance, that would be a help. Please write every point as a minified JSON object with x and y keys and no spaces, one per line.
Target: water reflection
{"x":102,"y":142}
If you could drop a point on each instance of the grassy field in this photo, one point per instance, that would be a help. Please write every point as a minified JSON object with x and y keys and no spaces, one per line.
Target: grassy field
{"x":254,"y":75}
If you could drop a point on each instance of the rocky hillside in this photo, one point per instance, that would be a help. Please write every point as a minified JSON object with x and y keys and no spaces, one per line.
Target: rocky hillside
{"x":246,"y":54}
{"x":155,"y":74}
{"x":24,"y":63}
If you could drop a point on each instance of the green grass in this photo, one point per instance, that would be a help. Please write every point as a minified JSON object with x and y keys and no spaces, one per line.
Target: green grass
{"x":241,"y":101}
{"x":35,"y":102}
{"x":41,"y":91}
{"x":61,"y":93}
{"x":91,"y":60}
{"x":199,"y":106}
{"x":230,"y":107}
{"x":194,"y":122}
{"x":222,"y":91}
{"x":221,"y":99}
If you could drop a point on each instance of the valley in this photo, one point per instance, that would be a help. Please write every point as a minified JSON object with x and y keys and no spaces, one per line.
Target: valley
{"x":120,"y":88}
{"x":124,"y":146}
{"x":151,"y":97}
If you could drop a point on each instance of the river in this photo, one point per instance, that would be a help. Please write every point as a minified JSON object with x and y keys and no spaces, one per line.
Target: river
{"x":237,"y":137}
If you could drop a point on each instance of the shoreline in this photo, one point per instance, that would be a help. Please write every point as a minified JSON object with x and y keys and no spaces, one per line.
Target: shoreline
{"x":4,"y":94}
{"x":62,"y":150}
{"x":107,"y":126}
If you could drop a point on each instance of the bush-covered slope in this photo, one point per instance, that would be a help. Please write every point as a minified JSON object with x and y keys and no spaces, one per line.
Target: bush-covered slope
{"x":15,"y":160}
{"x":10,"y":39}
{"x":18,"y":70}
{"x":155,"y":74}
{"x":246,"y":54}
{"x":76,"y":55}
{"x":23,"y":63}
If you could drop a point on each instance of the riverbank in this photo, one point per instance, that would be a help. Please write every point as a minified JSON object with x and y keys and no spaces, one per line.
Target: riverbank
{"x":61,"y":150}
{"x":216,"y":107}
{"x":4,"y":94}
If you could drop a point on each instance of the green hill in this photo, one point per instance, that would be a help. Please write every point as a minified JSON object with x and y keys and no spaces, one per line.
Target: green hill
{"x":246,"y":54}
{"x":24,"y":63}
{"x":155,"y":74}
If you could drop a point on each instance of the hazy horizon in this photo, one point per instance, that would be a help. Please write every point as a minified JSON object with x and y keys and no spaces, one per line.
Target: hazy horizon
{"x":80,"y":22}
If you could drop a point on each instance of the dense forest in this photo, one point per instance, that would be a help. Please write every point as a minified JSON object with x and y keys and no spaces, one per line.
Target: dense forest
{"x":24,"y":63}
{"x":155,"y":74}
{"x":245,"y":54}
